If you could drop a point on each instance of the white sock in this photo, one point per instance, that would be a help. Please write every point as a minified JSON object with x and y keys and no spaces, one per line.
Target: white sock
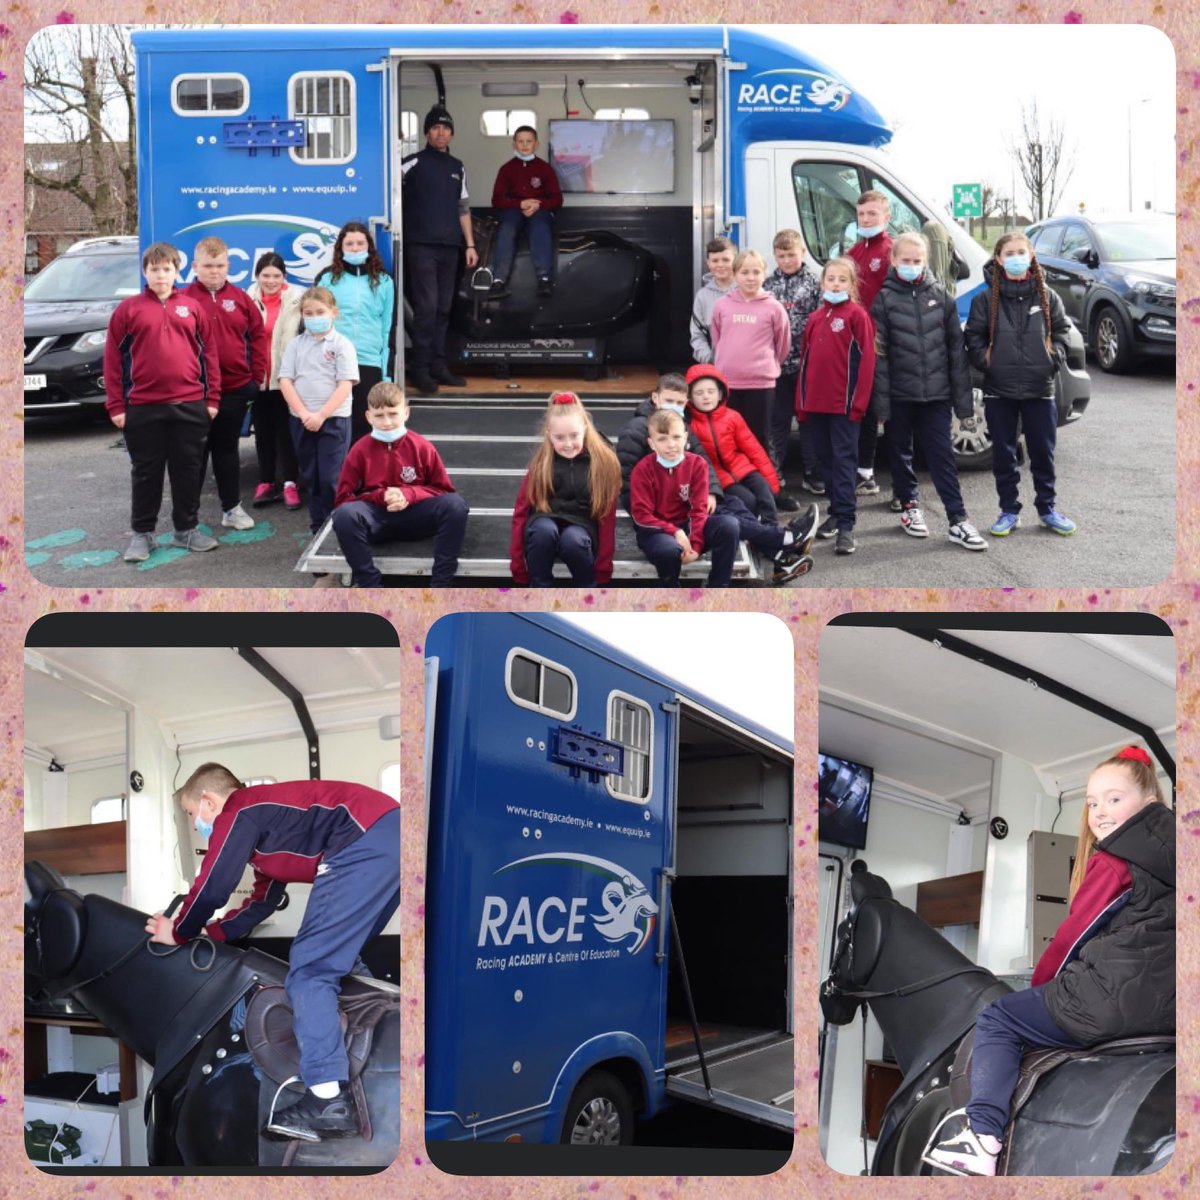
{"x":865,"y":472}
{"x":788,"y":537}
{"x":326,"y":1091}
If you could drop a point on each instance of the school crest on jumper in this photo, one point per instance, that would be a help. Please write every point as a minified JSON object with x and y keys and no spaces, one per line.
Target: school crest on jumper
{"x":181,"y":310}
{"x":876,"y":263}
{"x":536,"y":181}
{"x":408,"y":474}
{"x":229,"y":305}
{"x":685,"y":491}
{"x":837,"y":324}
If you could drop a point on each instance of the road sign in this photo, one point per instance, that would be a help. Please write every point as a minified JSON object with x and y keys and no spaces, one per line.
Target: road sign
{"x":968,"y":199}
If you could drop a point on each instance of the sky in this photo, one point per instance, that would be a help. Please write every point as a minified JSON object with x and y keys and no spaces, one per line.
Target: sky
{"x":745,"y":661}
{"x":953,"y":96}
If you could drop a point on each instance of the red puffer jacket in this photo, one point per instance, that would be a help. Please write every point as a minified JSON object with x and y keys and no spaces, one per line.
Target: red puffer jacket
{"x":732,"y":449}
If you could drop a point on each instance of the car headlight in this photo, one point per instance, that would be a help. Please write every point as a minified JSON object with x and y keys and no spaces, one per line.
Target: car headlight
{"x":1151,"y":287}
{"x":90,"y":341}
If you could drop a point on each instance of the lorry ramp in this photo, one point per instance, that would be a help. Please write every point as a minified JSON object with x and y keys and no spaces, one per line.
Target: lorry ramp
{"x":486,"y":442}
{"x":752,"y":1077}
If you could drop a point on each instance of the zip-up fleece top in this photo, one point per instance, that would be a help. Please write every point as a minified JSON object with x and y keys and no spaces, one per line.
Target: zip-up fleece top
{"x":837,"y":362}
{"x":732,"y":449}
{"x":435,"y":196}
{"x":241,"y":336}
{"x":571,"y":503}
{"x":668,"y":498}
{"x":284,"y":831}
{"x":410,"y":463}
{"x":872,"y":256}
{"x":365,"y":313}
{"x":750,"y":338}
{"x":160,"y":352}
{"x":517,"y":181}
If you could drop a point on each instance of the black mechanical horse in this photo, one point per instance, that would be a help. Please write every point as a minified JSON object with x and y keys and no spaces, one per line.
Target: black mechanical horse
{"x":1106,"y":1110}
{"x":213,"y":1021}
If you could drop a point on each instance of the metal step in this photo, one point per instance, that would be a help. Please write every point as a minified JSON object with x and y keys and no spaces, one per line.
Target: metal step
{"x":757,"y":1082}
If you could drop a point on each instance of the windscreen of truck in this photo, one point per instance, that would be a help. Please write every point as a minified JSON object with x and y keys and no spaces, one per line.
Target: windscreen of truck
{"x":614,"y":157}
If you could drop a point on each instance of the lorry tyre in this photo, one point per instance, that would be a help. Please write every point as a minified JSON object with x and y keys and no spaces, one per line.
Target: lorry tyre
{"x":972,"y":446}
{"x":600,"y":1112}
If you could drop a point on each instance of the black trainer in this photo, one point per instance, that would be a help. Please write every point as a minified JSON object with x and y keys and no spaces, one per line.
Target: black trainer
{"x":545,"y":286}
{"x":444,"y":375}
{"x":785,"y":502}
{"x":804,"y":528}
{"x":827,"y":528}
{"x":312,"y":1119}
{"x":425,"y":383}
{"x":845,"y":542}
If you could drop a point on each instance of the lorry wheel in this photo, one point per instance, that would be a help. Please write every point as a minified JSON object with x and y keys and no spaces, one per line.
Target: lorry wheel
{"x":971,"y":440}
{"x":600,"y":1113}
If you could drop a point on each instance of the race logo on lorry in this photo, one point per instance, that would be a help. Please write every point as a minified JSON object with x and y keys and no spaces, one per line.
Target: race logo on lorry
{"x":553,"y":929}
{"x":813,"y":91}
{"x":306,"y":245}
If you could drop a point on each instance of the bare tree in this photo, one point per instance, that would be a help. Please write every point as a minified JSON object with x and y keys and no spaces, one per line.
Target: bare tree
{"x":79,"y":91}
{"x":1046,"y":165}
{"x":989,"y":204}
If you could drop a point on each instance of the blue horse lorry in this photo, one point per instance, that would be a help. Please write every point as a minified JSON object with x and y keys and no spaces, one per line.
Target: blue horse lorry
{"x":608,"y":891}
{"x":663,"y":136}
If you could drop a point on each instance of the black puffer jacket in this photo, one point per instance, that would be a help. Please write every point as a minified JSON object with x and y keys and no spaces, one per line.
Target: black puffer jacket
{"x":633,"y":445}
{"x":920,"y":357}
{"x":1021,"y":367}
{"x":1123,"y":982}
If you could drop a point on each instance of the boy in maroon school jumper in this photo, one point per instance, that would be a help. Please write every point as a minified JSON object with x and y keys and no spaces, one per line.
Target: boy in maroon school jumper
{"x":163,"y":382}
{"x":344,"y":839}
{"x":245,"y":355}
{"x":668,"y":500}
{"x":526,"y":193}
{"x":872,"y":255}
{"x":394,"y":485}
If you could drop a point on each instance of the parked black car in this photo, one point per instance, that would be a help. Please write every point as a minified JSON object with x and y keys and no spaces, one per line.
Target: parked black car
{"x":67,"y":307}
{"x":1116,"y":277}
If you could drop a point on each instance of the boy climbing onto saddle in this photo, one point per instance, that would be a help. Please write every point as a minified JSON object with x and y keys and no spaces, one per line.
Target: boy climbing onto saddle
{"x":344,"y":839}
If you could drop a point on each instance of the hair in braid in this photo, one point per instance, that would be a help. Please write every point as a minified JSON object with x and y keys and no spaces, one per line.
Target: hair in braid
{"x":1039,"y":281}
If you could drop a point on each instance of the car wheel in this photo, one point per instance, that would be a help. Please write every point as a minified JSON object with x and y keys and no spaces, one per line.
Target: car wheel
{"x":1111,"y":342}
{"x":600,"y":1112}
{"x":971,"y":440}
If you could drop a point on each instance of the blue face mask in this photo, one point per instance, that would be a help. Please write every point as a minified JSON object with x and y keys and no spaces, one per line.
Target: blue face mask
{"x":318,"y":324}
{"x":668,"y":462}
{"x":835,"y":297}
{"x":389,"y":435}
{"x":678,"y":408}
{"x":1015,"y":265}
{"x":909,"y":273}
{"x":355,"y":259}
{"x":524,"y":157}
{"x":869,"y":231}
{"x":203,"y":828}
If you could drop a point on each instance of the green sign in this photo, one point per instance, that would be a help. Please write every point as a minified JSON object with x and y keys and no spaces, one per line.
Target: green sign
{"x":968,"y":199}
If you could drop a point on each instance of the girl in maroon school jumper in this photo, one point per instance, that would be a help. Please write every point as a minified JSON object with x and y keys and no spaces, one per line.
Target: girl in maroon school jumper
{"x":751,"y":336}
{"x":837,"y":369}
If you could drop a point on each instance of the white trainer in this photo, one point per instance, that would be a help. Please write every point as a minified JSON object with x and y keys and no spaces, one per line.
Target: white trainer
{"x":237,"y":518}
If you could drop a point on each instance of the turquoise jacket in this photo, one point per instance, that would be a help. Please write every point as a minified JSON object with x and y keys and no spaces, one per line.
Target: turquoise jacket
{"x":365,"y":313}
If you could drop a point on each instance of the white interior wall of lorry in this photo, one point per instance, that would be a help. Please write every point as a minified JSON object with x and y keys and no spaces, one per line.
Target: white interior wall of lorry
{"x":90,"y":784}
{"x":659,"y":88}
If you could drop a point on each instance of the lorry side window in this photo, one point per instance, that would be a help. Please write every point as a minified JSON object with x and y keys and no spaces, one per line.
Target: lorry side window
{"x":631,"y":723}
{"x":826,"y":194}
{"x":504,"y":122}
{"x":904,"y":216}
{"x":201,"y":95}
{"x":324,"y":101}
{"x":535,"y":682}
{"x":410,"y":132}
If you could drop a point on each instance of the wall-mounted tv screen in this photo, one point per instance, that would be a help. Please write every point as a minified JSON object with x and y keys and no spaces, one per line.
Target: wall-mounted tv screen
{"x":844,"y":801}
{"x":614,"y":157}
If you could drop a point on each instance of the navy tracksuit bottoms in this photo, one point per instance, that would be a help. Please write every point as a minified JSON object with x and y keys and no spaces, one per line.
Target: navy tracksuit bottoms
{"x":359,"y":524}
{"x":353,"y":897}
{"x":720,"y":539}
{"x":1038,"y":419}
{"x":547,"y":538}
{"x":930,"y":423}
{"x":835,"y":438}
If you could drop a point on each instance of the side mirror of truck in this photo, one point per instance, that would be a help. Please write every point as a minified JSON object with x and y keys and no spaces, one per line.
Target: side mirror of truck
{"x":961,"y":269}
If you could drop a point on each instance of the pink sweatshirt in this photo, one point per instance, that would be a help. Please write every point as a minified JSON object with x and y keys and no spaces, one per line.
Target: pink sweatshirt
{"x":750,"y":338}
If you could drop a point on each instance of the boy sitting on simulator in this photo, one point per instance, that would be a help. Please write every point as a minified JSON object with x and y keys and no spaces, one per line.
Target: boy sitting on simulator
{"x":394,"y":486}
{"x":526,"y":194}
{"x":344,"y":839}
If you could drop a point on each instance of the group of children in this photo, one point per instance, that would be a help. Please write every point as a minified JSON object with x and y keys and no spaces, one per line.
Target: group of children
{"x":874,"y":339}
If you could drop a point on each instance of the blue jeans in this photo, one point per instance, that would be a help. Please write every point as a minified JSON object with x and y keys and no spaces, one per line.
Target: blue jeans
{"x":1039,"y":420}
{"x":539,"y":229}
{"x":835,"y":438}
{"x":360,"y":523}
{"x":930,"y":423}
{"x":546,"y":539}
{"x":352,"y":899}
{"x":1004,"y":1030}
{"x":720,"y":538}
{"x":320,"y":456}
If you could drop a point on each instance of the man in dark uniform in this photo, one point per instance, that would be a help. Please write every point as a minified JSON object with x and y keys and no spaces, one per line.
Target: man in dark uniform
{"x":437,"y":220}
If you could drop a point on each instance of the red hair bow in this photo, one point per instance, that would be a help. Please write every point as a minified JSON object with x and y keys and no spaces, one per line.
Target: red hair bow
{"x":564,"y":398}
{"x":1136,"y":753}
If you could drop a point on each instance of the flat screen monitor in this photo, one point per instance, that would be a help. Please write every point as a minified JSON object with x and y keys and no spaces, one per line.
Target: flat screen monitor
{"x":844,"y":801}
{"x":614,"y":157}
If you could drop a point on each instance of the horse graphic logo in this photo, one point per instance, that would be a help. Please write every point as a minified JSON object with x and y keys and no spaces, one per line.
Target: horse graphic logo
{"x":829,"y":94}
{"x":628,"y":913}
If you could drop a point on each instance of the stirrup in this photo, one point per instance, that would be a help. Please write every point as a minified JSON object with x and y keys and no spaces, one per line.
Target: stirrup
{"x":935,"y":1137}
{"x":482,"y":279}
{"x":275,"y":1098}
